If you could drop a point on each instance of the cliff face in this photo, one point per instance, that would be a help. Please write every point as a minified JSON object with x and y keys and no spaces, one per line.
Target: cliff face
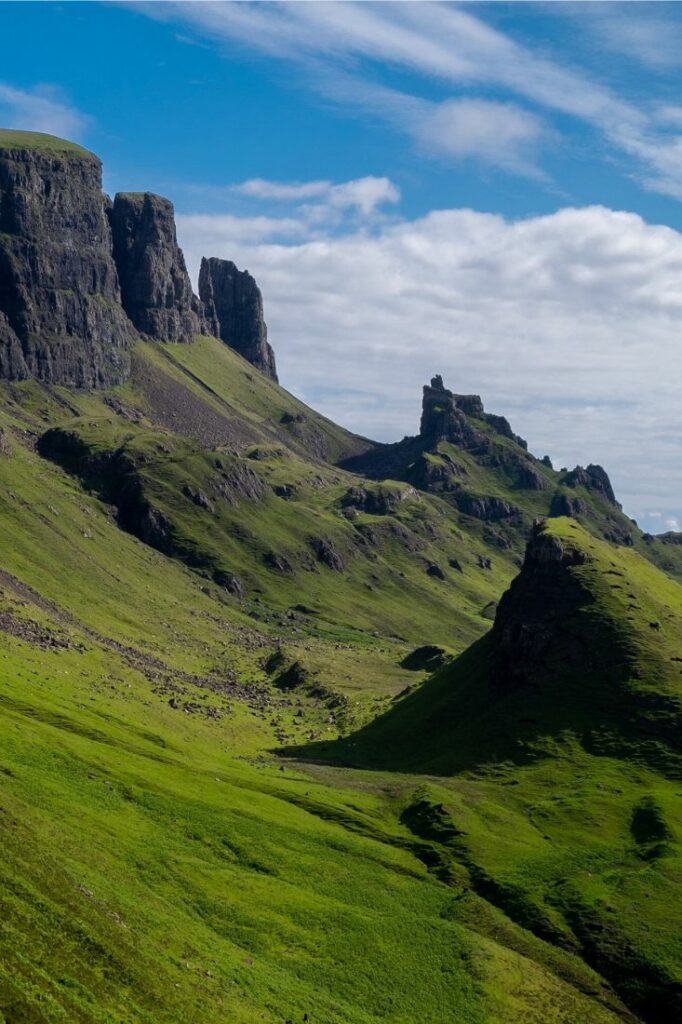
{"x":60,"y":315}
{"x":234,"y":309}
{"x":155,"y":287}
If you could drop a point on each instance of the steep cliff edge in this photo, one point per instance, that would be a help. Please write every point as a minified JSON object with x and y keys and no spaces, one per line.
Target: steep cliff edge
{"x":156,"y":291}
{"x":60,"y":315}
{"x":234,"y":307}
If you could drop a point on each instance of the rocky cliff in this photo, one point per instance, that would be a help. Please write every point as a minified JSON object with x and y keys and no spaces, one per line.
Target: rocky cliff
{"x":234,"y":307}
{"x":442,"y":419}
{"x":60,"y":315}
{"x":444,"y":416}
{"x":156,"y":291}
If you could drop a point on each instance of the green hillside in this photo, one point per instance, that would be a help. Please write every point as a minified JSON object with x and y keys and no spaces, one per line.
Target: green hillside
{"x":574,"y":700}
{"x":198,"y":596}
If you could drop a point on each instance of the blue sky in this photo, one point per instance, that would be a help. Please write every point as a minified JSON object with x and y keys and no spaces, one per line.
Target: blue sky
{"x":491,"y":191}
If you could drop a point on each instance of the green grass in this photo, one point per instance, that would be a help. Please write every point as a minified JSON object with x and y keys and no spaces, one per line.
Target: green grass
{"x":11,"y":138}
{"x":162,"y":861}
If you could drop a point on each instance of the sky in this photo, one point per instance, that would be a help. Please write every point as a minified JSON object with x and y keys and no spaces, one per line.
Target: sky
{"x":488,"y":191}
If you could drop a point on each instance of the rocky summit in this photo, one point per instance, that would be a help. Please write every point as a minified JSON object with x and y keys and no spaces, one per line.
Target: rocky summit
{"x":234,"y":307}
{"x":296,"y":726}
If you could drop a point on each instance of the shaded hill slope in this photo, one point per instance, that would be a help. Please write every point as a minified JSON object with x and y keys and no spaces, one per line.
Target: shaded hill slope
{"x":586,"y":649}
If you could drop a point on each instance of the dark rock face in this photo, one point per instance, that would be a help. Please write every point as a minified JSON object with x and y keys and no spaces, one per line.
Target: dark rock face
{"x":594,"y":478}
{"x":234,"y":309}
{"x":327,"y":554}
{"x":531,"y":479}
{"x":229,"y":582}
{"x":198,"y":497}
{"x":490,"y":509}
{"x":60,"y":315}
{"x":529,"y":615}
{"x":155,"y":287}
{"x":436,"y":476}
{"x":444,"y":417}
{"x":441,"y":419}
{"x":566,"y":505}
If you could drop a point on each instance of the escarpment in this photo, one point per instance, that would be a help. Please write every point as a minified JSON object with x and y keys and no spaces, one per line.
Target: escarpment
{"x":234,"y":308}
{"x":61,"y":319}
{"x":82,"y":277}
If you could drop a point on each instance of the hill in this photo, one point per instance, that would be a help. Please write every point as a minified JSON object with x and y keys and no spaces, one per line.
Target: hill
{"x":285,"y":735}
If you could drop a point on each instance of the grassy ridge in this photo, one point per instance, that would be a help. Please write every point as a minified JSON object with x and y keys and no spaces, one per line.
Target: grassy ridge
{"x":12,"y":138}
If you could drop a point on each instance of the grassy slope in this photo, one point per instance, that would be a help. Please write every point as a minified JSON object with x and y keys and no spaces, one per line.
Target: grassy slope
{"x":384,"y":590}
{"x":584,"y":848}
{"x":156,"y":863}
{"x":159,"y":863}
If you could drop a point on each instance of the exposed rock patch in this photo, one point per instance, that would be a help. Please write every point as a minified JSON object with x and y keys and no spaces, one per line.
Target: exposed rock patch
{"x":489,"y":509}
{"x":441,"y":419}
{"x":378,"y":502}
{"x":326,"y":553}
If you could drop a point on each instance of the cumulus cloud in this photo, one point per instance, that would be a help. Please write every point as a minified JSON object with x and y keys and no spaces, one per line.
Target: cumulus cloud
{"x":567,"y":323}
{"x":43,"y":109}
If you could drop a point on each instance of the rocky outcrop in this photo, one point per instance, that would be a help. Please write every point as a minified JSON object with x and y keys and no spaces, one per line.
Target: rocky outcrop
{"x":156,"y":291}
{"x":487,"y":508}
{"x":327,"y":553}
{"x":568,"y":505}
{"x":593,"y":478}
{"x":234,"y":309}
{"x":444,"y":417}
{"x":441,"y":418}
{"x":531,"y":479}
{"x":60,"y":315}
{"x":378,"y":502}
{"x":528,"y":624}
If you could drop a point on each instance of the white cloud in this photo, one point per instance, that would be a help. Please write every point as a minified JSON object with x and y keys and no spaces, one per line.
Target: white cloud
{"x":673,"y":524}
{"x":639,"y":30}
{"x":261,"y":188}
{"x":500,"y":133}
{"x":42,"y":109}
{"x":570,"y":324}
{"x":362,"y":194}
